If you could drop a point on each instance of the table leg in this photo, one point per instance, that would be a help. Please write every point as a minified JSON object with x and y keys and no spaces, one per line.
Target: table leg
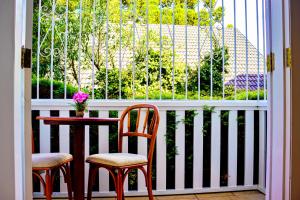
{"x":78,"y":162}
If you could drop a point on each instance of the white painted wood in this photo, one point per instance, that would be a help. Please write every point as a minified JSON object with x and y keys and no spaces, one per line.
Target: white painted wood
{"x":86,"y":153}
{"x":103,"y":141}
{"x":61,"y":104}
{"x":288,"y":107}
{"x":161,"y":151}
{"x":249,"y":147}
{"x":12,"y":116}
{"x":125,"y":145}
{"x":276,"y":96}
{"x":44,"y":134}
{"x":262,"y":149}
{"x":215,"y":149}
{"x":180,"y":157}
{"x":198,"y":150}
{"x":142,"y":150}
{"x":64,"y":145}
{"x":45,"y":137}
{"x":232,"y":148}
{"x":288,"y":137}
{"x":27,"y":37}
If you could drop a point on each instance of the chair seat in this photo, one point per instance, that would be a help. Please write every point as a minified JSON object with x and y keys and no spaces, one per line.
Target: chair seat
{"x":49,"y":160}
{"x":117,"y":159}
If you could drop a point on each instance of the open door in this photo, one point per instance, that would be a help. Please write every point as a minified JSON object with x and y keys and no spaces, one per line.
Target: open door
{"x":279,"y":134}
{"x":15,"y":142}
{"x":27,"y":44}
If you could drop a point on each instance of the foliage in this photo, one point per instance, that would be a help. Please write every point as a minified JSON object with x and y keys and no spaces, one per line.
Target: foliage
{"x":58,"y":89}
{"x":78,"y":51}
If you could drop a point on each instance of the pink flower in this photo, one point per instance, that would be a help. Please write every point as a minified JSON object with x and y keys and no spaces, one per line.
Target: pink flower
{"x":80,"y":97}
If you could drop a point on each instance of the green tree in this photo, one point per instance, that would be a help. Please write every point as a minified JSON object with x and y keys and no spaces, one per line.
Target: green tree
{"x":99,"y":53}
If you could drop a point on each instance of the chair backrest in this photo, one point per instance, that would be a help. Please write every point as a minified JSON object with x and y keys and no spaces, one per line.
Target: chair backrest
{"x":140,"y":120}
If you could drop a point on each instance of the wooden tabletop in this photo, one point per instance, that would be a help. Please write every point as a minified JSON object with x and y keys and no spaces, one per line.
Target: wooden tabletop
{"x":78,"y":120}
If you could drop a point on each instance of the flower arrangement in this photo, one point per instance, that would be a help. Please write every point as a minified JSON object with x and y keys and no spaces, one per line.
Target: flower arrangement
{"x":80,"y":100}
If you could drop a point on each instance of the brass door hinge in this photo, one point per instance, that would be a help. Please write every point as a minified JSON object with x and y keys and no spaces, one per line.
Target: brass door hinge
{"x":288,"y":57}
{"x":271,"y":62}
{"x":26,"y":58}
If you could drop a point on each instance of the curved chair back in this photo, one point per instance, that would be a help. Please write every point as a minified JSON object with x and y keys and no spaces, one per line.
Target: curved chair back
{"x":140,"y":120}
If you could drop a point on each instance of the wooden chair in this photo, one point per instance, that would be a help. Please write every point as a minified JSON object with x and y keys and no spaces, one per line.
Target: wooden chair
{"x":120,"y":164}
{"x":51,"y":164}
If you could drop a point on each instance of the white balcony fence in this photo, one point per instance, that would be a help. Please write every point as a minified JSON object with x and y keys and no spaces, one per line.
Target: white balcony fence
{"x":239,"y":149}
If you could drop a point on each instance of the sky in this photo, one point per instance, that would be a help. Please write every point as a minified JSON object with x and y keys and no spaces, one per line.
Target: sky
{"x":241,"y":18}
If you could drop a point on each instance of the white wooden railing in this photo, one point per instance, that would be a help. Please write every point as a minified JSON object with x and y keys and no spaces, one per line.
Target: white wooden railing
{"x":250,"y":107}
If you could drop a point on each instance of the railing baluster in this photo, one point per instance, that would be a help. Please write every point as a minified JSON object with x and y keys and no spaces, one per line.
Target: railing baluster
{"x":66,"y":50}
{"x":235,"y":63}
{"x":258,"y":53}
{"x":45,"y":140}
{"x":106,"y":50}
{"x":262,"y":150}
{"x":93,"y":49}
{"x":173,"y":51}
{"x":186,"y":49}
{"x":103,"y":144}
{"x":120,"y":51}
{"x":161,"y":153}
{"x":52,"y":47}
{"x":125,"y":144}
{"x":223,"y":51}
{"x":64,"y":144}
{"x":142,"y":150}
{"x":215,"y":149}
{"x":211,"y":48}
{"x":198,"y":150}
{"x":79,"y":46}
{"x":45,"y":133}
{"x":133,"y":49}
{"x":264,"y":50}
{"x":180,"y":157}
{"x":249,"y":147}
{"x":246,"y":30}
{"x":199,"y":49}
{"x":160,"y":47}
{"x":86,"y":153}
{"x":232,"y":148}
{"x":147,"y":49}
{"x":38,"y":52}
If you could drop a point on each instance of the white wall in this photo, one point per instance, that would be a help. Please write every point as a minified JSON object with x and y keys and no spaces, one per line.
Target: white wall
{"x":11,"y":101}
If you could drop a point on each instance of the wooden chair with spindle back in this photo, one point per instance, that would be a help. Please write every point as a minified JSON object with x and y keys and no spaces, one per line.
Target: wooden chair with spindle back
{"x":120,"y":164}
{"x":51,"y":164}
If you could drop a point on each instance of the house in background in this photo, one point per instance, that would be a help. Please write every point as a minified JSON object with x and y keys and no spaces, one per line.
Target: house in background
{"x":244,"y":57}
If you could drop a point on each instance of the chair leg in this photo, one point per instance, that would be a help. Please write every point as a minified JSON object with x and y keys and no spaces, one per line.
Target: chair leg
{"x":91,"y":180}
{"x":67,"y":176}
{"x":119,"y":188}
{"x":48,"y":187}
{"x":149,"y":184}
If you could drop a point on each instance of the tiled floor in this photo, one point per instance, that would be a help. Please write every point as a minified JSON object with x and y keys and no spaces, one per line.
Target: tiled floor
{"x":249,"y":195}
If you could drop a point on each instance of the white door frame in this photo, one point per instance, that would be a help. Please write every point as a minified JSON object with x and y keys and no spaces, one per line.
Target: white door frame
{"x":27,"y":42}
{"x":278,"y":140}
{"x":13,"y":174}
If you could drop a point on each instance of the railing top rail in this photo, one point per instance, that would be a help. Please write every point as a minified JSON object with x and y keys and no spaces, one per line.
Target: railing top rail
{"x":62,"y":104}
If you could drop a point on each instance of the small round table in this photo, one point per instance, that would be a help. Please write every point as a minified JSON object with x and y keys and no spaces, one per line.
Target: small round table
{"x":78,"y":124}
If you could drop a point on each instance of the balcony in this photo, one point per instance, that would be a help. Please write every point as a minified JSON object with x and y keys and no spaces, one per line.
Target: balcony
{"x":202,"y":147}
{"x":208,"y":79}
